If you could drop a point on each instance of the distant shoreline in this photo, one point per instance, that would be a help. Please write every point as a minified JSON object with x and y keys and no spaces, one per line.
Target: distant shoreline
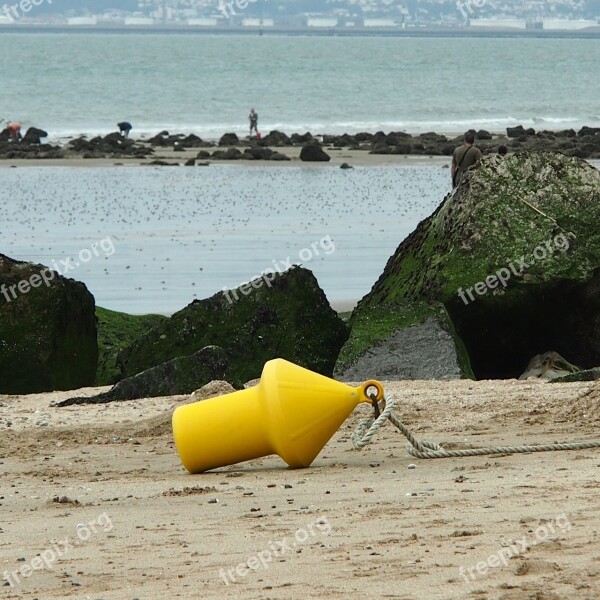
{"x":412,"y":32}
{"x":277,"y":149}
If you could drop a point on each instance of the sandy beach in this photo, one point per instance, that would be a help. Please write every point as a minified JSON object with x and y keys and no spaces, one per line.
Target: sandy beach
{"x":99,"y":493}
{"x":355,"y":158}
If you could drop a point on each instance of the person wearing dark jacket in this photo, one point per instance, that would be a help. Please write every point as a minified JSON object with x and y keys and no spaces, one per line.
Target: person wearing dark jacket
{"x":464,"y":156}
{"x":124,"y":128}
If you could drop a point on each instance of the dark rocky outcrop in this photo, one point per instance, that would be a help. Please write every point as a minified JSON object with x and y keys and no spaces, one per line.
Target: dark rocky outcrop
{"x":229,"y":139}
{"x":113,"y":145}
{"x":116,"y":331}
{"x":278,"y":156}
{"x":276,"y":138}
{"x":47,"y":330}
{"x":34,"y":136}
{"x":178,"y":376}
{"x":587,"y":375}
{"x":314,"y":153}
{"x":299,"y":139}
{"x":229,"y":154}
{"x":276,"y":316}
{"x":460,"y":259}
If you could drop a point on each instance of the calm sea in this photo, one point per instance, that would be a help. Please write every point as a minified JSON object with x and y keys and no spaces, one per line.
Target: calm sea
{"x":74,"y":83}
{"x":153,"y":239}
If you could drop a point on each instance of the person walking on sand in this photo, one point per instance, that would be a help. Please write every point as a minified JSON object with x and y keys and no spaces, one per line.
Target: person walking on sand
{"x":464,"y":157}
{"x":253,"y":118}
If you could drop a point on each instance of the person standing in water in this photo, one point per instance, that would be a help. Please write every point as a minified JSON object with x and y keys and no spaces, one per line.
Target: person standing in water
{"x":253,"y":118}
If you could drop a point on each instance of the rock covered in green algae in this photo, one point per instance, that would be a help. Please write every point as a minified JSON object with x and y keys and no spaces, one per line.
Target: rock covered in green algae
{"x":116,"y":331}
{"x":181,"y":375}
{"x":400,"y":346}
{"x":284,"y":316}
{"x":47,"y":330}
{"x":546,"y":299}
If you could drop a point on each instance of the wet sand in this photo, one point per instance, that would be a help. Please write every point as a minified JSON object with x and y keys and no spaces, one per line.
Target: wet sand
{"x":356,"y":158}
{"x":354,"y":525}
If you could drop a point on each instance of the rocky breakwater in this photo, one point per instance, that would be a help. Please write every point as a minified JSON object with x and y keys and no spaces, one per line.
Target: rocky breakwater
{"x":113,"y":145}
{"x":29,"y":147}
{"x":507,"y":267}
{"x":584,"y":143}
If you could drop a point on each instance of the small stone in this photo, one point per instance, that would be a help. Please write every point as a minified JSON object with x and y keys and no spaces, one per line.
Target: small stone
{"x":213,"y":501}
{"x":412,"y":466}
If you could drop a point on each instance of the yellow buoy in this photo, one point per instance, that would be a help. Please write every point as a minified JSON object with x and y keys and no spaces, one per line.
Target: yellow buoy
{"x":292,"y":412}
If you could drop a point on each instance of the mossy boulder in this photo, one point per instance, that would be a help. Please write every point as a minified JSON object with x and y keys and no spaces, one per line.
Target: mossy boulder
{"x":181,"y":375}
{"x":513,"y":256}
{"x":276,"y":316}
{"x":47,"y":330}
{"x":116,"y":331}
{"x":397,"y":344}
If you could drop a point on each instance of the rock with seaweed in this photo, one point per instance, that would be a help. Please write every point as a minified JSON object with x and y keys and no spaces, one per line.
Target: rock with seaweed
{"x":283,"y":315}
{"x":513,"y":257}
{"x":181,"y":375}
{"x":116,"y":331}
{"x":47,"y":330}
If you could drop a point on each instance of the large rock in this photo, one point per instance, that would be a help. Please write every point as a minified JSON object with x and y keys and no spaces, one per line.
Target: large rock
{"x":314,"y":153}
{"x":47,"y":330}
{"x":111,"y":145}
{"x":178,"y":376}
{"x":34,"y":136}
{"x":513,"y":281}
{"x":229,"y":139}
{"x":402,"y":348}
{"x":116,"y":331}
{"x":276,"y":316}
{"x":276,"y":138}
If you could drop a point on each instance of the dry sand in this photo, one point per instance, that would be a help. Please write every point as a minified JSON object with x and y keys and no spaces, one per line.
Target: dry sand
{"x":386,"y":530}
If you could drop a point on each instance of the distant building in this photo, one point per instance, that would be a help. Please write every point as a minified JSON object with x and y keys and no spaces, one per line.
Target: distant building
{"x":253,"y":22}
{"x":321,"y":22}
{"x":499,"y":23}
{"x":568,"y":25}
{"x":139,"y":21}
{"x":90,"y":21}
{"x":202,"y":22}
{"x":380,"y":23}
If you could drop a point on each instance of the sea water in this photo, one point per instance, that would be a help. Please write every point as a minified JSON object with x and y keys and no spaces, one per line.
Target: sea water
{"x":85,"y":83}
{"x":152,"y":239}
